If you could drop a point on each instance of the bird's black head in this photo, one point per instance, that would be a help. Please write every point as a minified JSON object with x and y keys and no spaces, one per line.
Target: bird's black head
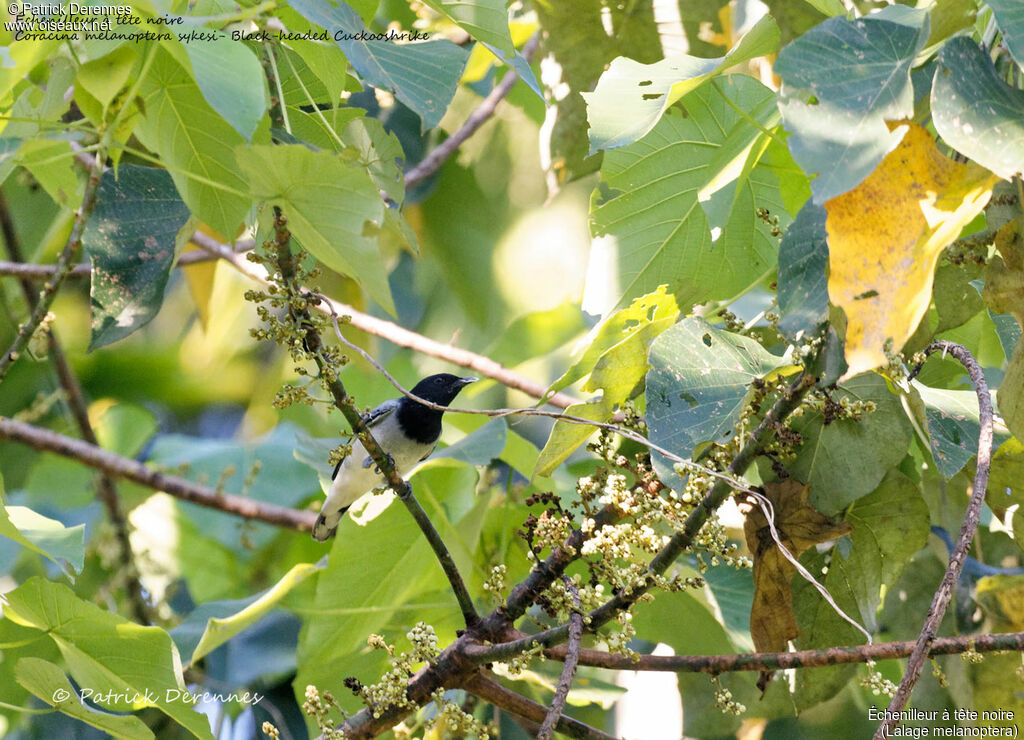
{"x":420,"y":422}
{"x":442,"y":388}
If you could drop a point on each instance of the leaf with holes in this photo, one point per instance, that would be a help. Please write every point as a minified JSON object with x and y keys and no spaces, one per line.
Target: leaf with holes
{"x":647,"y":211}
{"x":130,"y":241}
{"x":631,"y":97}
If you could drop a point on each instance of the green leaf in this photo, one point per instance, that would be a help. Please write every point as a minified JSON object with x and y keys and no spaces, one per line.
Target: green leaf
{"x":646,"y":208}
{"x":484,"y":20}
{"x":698,"y":383}
{"x":105,"y":77}
{"x":1010,"y":18}
{"x":1011,"y":393}
{"x":422,"y":75}
{"x":195,"y":143}
{"x":858,"y":74}
{"x":566,"y":436}
{"x":328,"y":203}
{"x":122,"y":427}
{"x":130,"y":241}
{"x":975,"y":112}
{"x":210,"y":625}
{"x":48,"y":682}
{"x":231,"y":79}
{"x":52,"y":164}
{"x":631,"y":97}
{"x":889,"y":526}
{"x":645,"y":318}
{"x":478,"y":448}
{"x":847,"y":459}
{"x":953,"y":427}
{"x":19,"y":58}
{"x":107,"y":653}
{"x":803,"y":274}
{"x":65,"y":546}
{"x":537,"y":333}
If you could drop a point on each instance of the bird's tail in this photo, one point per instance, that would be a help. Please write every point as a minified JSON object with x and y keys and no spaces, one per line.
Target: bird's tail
{"x":326,"y":526}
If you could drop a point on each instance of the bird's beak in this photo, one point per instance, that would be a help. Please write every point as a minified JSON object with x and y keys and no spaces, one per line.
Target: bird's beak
{"x":467,"y":381}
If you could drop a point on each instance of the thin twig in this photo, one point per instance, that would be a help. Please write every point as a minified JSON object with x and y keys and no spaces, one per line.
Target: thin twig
{"x":84,"y":269}
{"x":572,"y":656}
{"x":133,"y":470}
{"x":346,"y":405}
{"x":63,"y":266}
{"x":956,"y":560}
{"x":106,"y":489}
{"x":430,"y":163}
{"x":715,"y":664}
{"x":514,"y":703}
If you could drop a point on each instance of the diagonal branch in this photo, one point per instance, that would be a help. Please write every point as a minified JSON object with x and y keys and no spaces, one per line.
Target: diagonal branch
{"x":430,"y":163}
{"x":64,"y":265}
{"x":572,"y":656}
{"x":345,"y":404}
{"x":133,"y":470}
{"x":513,"y":703}
{"x":956,"y":560}
{"x":105,"y":487}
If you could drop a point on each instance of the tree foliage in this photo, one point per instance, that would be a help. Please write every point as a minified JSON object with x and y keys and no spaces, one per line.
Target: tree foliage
{"x":737,"y":278}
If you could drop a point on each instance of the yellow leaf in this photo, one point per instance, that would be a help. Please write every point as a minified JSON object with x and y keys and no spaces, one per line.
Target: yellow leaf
{"x":885,"y":237}
{"x":199,"y":277}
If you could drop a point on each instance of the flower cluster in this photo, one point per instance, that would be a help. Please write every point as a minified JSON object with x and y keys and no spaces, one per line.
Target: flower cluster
{"x":390,"y":691}
{"x":319,"y":707}
{"x":876,"y":682}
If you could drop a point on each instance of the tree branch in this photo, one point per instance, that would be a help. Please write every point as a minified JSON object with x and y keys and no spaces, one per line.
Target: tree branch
{"x":513,"y":703}
{"x":715,"y":664}
{"x":63,"y":266}
{"x":572,"y":656}
{"x":105,"y":486}
{"x":133,"y":470}
{"x":956,"y":559}
{"x":430,"y":163}
{"x":84,"y":269}
{"x":346,"y":405}
{"x":396,"y":334}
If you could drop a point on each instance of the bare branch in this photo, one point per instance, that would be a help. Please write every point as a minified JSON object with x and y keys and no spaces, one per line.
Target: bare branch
{"x":430,"y":163}
{"x":956,"y":559}
{"x":63,"y":266}
{"x":84,"y":269}
{"x":105,"y":488}
{"x":514,"y":703}
{"x":133,"y":470}
{"x":572,"y":656}
{"x":715,"y":664}
{"x":347,"y":406}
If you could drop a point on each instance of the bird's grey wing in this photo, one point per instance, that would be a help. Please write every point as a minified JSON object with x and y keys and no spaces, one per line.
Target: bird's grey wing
{"x":371,"y":418}
{"x":429,"y":453}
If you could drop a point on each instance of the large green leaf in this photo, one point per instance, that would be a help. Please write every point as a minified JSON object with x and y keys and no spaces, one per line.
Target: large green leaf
{"x":328,"y":203}
{"x":65,"y":546}
{"x":484,"y":20}
{"x":126,"y":666}
{"x":803,"y":273}
{"x":231,"y":79}
{"x":953,"y":427}
{"x":422,"y":75}
{"x":698,"y":383}
{"x":130,"y":241}
{"x":210,"y":625}
{"x":977,"y":113}
{"x":48,"y":682}
{"x":856,"y":75}
{"x":195,"y":143}
{"x":847,"y":459}
{"x":889,"y":526}
{"x":631,"y":97}
{"x":647,"y":211}
{"x":565,"y":436}
{"x":1010,"y":17}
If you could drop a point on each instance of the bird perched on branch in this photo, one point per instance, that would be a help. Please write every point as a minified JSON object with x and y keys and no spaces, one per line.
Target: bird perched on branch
{"x":405,"y":429}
